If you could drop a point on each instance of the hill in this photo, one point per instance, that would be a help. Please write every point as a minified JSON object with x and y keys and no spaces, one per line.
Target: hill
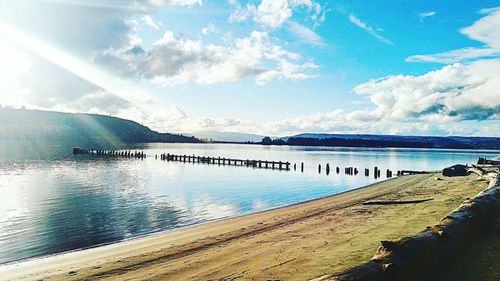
{"x":36,"y":126}
{"x":365,"y":140}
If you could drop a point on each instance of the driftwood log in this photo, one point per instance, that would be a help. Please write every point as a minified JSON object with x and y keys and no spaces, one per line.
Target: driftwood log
{"x":408,"y":172}
{"x":484,"y":161}
{"x":424,"y":255}
{"x":396,"y":202}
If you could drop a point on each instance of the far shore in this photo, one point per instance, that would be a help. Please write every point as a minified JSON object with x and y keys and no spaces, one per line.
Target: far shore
{"x":297,"y":242}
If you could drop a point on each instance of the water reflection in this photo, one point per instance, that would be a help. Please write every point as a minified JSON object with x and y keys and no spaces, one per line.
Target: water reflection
{"x":51,"y":206}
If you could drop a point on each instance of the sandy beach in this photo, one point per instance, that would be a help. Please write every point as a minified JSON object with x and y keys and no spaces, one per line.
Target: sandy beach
{"x":297,"y":242}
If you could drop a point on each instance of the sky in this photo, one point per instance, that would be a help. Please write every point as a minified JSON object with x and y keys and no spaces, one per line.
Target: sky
{"x":270,"y":67}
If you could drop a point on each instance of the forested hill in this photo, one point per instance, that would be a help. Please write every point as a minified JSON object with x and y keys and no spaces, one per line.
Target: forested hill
{"x":360,"y":140}
{"x":38,"y":126}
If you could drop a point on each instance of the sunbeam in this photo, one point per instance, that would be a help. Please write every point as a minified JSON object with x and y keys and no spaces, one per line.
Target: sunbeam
{"x":75,"y":65}
{"x":115,"y":5}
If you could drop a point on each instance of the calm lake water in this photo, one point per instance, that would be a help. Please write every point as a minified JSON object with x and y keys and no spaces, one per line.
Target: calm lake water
{"x":52,"y":206}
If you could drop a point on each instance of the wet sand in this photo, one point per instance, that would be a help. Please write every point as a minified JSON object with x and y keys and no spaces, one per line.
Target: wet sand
{"x":297,"y":242}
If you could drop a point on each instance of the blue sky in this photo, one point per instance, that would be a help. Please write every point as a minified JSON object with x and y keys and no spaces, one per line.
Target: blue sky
{"x":268,"y":67}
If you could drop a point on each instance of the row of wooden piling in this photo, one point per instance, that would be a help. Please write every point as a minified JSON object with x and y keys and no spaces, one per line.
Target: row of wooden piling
{"x":279,"y":165}
{"x":263,"y":164}
{"x":353,"y":171}
{"x":110,"y":153}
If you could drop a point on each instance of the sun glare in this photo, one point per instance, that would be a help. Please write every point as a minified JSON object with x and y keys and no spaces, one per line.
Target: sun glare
{"x":69,"y":62}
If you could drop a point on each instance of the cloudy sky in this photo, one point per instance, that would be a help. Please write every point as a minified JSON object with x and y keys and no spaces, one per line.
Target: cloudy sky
{"x":274,"y":67}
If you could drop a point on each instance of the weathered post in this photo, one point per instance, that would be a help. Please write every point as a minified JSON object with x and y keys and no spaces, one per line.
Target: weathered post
{"x":302,"y":166}
{"x":327,"y":169}
{"x":319,"y":168}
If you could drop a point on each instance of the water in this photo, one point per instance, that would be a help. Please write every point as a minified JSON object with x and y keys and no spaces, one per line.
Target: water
{"x":52,"y":206}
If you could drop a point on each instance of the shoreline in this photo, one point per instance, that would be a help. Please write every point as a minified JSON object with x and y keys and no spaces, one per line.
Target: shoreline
{"x":190,"y":240}
{"x":17,"y":263}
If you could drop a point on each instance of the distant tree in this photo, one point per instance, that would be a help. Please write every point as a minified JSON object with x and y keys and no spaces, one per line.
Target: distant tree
{"x":267,"y":141}
{"x":279,"y":142}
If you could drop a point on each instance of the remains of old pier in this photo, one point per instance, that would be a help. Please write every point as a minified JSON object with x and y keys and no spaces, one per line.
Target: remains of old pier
{"x":110,"y":153}
{"x":279,"y":165}
{"x":222,"y":161}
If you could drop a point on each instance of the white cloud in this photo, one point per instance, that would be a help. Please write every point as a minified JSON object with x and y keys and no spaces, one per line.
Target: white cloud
{"x":210,"y":28}
{"x":488,"y":130}
{"x":136,"y":5}
{"x":172,"y":60}
{"x":425,"y":15}
{"x":455,"y":55}
{"x":275,"y":13}
{"x":453,"y":93}
{"x":305,"y":34}
{"x":150,"y":22}
{"x":42,"y":83}
{"x":339,"y":121}
{"x":171,"y":3}
{"x":241,"y":14}
{"x":369,"y":29}
{"x":484,"y":30}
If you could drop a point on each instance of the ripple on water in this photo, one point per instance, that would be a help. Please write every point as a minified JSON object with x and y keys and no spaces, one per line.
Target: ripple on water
{"x":49,"y":207}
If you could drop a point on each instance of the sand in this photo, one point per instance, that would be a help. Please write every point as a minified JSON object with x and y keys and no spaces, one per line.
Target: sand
{"x":297,"y":242}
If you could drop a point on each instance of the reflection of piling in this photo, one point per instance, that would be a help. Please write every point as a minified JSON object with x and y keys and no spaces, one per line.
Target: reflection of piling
{"x":338,"y":170}
{"x":327,"y":169}
{"x":367,"y":172}
{"x":302,"y":167}
{"x":319,"y":168}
